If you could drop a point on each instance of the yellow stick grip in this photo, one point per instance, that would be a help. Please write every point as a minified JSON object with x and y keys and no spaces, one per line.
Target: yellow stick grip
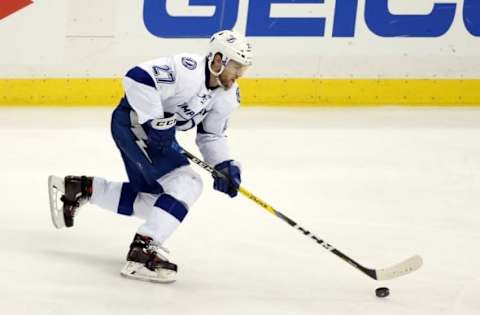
{"x":257,"y":200}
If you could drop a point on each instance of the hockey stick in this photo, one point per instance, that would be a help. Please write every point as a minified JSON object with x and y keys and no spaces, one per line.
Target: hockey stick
{"x":403,"y":268}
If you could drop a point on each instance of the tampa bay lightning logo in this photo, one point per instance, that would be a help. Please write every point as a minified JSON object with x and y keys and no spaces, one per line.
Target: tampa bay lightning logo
{"x":189,"y":63}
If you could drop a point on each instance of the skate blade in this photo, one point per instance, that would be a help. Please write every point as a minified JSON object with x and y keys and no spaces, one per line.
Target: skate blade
{"x":56,"y":188}
{"x":138,"y":271}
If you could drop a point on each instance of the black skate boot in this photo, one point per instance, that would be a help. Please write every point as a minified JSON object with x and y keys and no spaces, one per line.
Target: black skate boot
{"x":144,"y":262}
{"x":76,"y":191}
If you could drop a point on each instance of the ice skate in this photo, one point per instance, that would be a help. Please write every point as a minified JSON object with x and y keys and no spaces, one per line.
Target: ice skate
{"x":144,"y":262}
{"x":66,"y":195}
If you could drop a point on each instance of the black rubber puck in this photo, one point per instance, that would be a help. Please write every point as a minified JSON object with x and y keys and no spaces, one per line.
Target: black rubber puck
{"x":382,"y":292}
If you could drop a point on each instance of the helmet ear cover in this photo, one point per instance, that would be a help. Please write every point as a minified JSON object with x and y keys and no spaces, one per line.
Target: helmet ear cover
{"x":210,"y":62}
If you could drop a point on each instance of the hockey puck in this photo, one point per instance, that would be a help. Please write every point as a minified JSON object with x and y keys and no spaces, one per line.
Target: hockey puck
{"x":382,"y":292}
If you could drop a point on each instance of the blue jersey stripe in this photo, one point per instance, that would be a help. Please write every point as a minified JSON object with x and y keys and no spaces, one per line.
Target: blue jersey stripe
{"x":171,"y":205}
{"x":127,"y":198}
{"x":141,"y":76}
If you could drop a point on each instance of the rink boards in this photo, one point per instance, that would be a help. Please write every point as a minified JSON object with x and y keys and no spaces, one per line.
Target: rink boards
{"x":263,"y":92}
{"x":338,"y":53}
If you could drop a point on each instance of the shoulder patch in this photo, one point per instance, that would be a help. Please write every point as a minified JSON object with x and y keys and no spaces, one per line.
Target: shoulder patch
{"x":238,"y":94}
{"x":189,"y":63}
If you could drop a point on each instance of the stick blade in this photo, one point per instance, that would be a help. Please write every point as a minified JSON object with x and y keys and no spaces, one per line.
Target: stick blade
{"x":405,"y":267}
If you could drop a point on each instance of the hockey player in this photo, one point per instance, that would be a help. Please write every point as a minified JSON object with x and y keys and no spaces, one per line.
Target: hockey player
{"x":162,"y":96}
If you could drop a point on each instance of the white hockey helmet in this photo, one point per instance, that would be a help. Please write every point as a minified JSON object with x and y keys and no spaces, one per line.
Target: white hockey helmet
{"x":232,"y":46}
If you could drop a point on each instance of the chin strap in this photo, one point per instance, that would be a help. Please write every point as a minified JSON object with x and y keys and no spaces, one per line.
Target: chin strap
{"x":216,"y":74}
{"x":220,"y":83}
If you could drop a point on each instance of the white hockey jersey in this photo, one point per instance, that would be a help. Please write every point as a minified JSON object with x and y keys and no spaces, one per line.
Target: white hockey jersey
{"x":177,"y":85}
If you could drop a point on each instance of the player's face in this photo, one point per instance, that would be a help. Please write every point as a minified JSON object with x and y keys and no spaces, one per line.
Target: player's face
{"x":233,"y":71}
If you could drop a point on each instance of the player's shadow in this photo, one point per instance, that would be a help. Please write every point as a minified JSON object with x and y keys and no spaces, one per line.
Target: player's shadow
{"x":105,"y":264}
{"x":48,"y":247}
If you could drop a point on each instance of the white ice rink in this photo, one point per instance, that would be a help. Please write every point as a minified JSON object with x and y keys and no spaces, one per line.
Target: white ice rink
{"x":379,"y":184}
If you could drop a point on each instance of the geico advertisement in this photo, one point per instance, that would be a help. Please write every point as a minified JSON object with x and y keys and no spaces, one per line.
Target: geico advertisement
{"x":307,"y":38}
{"x":384,"y":18}
{"x":309,"y":28}
{"x":291,"y":38}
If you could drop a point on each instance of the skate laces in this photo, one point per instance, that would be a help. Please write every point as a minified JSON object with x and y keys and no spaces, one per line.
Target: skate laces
{"x":68,"y":202}
{"x":76,"y":204}
{"x":158,"y":249}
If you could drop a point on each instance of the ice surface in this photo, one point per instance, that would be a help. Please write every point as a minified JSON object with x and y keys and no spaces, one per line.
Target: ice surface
{"x":379,"y":184}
